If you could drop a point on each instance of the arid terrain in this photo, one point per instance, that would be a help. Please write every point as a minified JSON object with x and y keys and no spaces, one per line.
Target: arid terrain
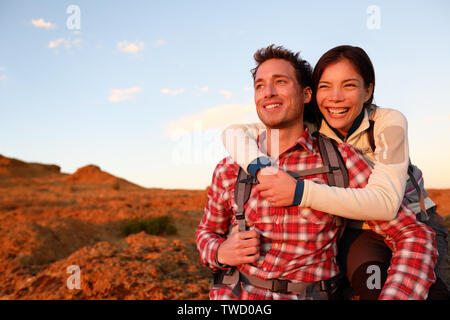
{"x":50,"y":221}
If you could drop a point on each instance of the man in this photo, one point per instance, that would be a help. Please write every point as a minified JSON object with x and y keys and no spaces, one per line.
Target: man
{"x":288,"y":251}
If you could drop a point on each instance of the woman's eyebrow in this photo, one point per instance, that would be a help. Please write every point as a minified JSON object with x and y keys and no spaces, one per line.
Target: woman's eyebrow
{"x":346,"y":80}
{"x":351,"y":79}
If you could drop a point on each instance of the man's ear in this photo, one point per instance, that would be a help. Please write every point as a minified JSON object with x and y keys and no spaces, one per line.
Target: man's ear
{"x":307,"y":94}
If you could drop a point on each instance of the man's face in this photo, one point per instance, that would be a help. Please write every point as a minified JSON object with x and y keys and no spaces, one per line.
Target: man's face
{"x":279,"y":98}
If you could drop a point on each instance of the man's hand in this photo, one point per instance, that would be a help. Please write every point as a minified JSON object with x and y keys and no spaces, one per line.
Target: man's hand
{"x":276,"y":186}
{"x":239,"y":248}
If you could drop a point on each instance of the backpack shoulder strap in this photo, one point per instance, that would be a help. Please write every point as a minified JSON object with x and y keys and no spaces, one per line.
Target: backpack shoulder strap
{"x":331,"y":157}
{"x":423,"y":214}
{"x":338,"y":174}
{"x":242,"y":189}
{"x":371,"y":135}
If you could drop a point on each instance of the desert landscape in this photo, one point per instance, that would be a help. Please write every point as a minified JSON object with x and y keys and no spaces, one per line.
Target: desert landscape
{"x":50,"y":221}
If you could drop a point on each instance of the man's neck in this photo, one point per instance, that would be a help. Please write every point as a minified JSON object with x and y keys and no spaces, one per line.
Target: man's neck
{"x":280,"y":140}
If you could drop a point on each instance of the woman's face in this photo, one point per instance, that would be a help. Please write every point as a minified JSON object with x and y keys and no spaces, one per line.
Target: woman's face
{"x":341,"y":94}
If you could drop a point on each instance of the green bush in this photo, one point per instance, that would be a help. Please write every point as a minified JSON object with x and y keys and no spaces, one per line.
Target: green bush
{"x":156,"y":226}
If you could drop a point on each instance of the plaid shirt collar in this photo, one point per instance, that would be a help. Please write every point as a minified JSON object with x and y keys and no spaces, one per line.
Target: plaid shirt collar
{"x":304,"y":142}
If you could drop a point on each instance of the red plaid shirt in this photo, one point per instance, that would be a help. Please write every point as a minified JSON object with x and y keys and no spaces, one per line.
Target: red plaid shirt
{"x":298,"y":243}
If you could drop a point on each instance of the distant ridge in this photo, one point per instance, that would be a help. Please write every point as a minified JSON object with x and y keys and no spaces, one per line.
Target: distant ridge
{"x":93,"y":174}
{"x":10,"y":167}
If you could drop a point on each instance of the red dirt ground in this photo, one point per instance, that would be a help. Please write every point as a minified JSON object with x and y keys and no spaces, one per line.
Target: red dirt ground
{"x":50,"y":220}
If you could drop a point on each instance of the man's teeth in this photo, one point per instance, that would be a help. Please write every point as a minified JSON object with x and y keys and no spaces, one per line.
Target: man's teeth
{"x":337,"y":111}
{"x":271,"y":106}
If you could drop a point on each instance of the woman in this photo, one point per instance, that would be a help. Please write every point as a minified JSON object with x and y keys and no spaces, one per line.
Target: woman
{"x":343,"y":86}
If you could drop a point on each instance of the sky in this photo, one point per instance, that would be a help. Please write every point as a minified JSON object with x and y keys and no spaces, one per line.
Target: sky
{"x":143,"y":89}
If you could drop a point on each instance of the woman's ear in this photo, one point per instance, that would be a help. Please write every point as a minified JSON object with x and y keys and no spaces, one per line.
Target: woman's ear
{"x":369,"y":91}
{"x":307,"y":93}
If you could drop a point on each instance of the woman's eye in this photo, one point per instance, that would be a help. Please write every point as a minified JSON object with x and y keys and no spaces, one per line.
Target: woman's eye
{"x":322,"y":86}
{"x":350,"y":85}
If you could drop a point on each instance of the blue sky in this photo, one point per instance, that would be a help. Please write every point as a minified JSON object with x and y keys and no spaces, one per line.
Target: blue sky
{"x":144,"y":88}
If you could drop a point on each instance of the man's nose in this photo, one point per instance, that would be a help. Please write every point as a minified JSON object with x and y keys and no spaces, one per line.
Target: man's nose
{"x":269,"y":90}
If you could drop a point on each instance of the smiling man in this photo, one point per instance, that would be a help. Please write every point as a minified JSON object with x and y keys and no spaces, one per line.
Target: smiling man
{"x":289,"y":252}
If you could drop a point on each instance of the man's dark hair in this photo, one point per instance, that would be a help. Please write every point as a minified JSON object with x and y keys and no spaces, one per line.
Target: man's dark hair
{"x":303,"y":70}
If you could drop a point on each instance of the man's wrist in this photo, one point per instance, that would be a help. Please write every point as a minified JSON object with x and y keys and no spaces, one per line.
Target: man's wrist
{"x":216,"y":259}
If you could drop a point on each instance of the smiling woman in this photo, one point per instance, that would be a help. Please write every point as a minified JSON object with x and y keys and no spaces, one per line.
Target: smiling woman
{"x":341,"y":95}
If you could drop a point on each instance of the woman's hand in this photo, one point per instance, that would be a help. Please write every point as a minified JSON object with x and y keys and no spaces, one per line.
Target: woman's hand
{"x":276,"y":186}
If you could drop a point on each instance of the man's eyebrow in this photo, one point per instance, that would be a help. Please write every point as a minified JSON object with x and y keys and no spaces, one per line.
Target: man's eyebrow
{"x":273,"y":76}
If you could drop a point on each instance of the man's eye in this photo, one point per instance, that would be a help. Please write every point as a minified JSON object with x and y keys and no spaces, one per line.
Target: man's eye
{"x":322,"y":86}
{"x":281,"y":81}
{"x":258,"y":86}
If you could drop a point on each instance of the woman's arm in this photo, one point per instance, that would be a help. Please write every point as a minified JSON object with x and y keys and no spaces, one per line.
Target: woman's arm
{"x":382,"y":196}
{"x":240,"y":141}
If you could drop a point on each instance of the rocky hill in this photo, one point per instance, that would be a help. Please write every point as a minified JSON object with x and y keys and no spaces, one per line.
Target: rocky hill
{"x":50,"y":221}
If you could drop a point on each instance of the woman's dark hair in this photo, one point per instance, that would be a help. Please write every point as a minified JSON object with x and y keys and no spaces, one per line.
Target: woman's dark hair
{"x":360,"y":60}
{"x":303,"y":71}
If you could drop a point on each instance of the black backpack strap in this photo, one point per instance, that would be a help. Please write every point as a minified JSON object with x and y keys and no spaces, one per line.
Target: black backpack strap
{"x":242,"y":190}
{"x":338,"y":174}
{"x":371,"y":135}
{"x":423,"y":214}
{"x":331,"y":157}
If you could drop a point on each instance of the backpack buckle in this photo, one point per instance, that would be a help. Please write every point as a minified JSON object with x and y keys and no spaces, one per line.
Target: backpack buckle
{"x":280,"y":286}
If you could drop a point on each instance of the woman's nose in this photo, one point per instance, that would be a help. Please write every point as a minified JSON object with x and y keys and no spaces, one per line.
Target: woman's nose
{"x":336,"y":94}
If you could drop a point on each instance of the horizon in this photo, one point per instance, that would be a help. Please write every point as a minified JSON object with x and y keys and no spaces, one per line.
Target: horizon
{"x":143,"y":89}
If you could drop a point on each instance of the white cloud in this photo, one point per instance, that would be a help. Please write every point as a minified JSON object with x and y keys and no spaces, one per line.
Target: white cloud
{"x":172,"y":92}
{"x":226,"y":93}
{"x":118,"y":95}
{"x":248,"y":89}
{"x":131,"y":47}
{"x":212,"y":118}
{"x":159,"y":43}
{"x":204,"y":89}
{"x":41,"y":23}
{"x":67,"y":43}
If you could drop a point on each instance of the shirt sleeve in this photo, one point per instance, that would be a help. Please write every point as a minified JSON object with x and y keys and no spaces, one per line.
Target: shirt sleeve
{"x":240,"y":141}
{"x":382,"y":196}
{"x":211,"y":231}
{"x":414,"y":255}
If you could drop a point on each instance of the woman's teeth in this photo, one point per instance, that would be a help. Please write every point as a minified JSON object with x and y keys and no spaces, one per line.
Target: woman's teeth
{"x":337,"y":111}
